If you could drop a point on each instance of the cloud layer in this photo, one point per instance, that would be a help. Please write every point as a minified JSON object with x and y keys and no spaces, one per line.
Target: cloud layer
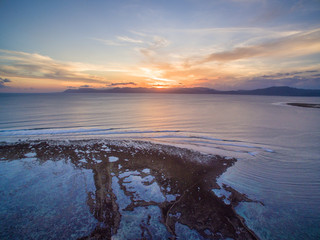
{"x":36,"y":66}
{"x":219,"y":44}
{"x":160,"y":62}
{"x":122,"y":84}
{"x":295,"y":45}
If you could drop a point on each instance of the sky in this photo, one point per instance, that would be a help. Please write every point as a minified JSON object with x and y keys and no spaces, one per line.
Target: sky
{"x":50,"y":46}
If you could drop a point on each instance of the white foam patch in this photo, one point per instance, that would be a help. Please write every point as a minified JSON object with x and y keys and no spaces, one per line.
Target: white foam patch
{"x":222,"y":193}
{"x":151,"y":192}
{"x":113,"y":159}
{"x":146,"y":170}
{"x":127,"y":174}
{"x":90,"y":131}
{"x":105,"y":148}
{"x":281,"y":104}
{"x":171,"y":197}
{"x":30,"y":155}
{"x":268,"y":150}
{"x":83,"y":160}
{"x":253,"y":153}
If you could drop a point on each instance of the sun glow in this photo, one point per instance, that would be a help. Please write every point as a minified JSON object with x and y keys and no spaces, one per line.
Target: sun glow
{"x":160,"y":86}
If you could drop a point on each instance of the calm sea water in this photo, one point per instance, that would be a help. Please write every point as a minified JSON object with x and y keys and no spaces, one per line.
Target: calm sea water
{"x":277,"y":146}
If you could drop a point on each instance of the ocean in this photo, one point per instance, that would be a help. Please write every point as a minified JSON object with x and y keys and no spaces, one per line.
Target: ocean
{"x":277,"y":148}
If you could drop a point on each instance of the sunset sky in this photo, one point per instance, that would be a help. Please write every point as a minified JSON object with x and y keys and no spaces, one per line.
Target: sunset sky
{"x":49,"y":46}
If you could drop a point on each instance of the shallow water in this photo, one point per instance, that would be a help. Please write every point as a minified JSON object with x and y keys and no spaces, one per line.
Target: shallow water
{"x":278,"y":146}
{"x":99,"y":191}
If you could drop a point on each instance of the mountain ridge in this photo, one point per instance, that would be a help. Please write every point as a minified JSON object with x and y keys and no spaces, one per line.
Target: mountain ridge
{"x":270,"y":91}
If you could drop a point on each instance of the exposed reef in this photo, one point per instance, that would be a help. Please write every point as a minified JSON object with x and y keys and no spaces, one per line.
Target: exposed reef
{"x":146,"y":191}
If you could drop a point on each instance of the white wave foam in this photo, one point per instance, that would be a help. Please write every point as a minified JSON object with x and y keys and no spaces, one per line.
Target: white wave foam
{"x":281,"y":104}
{"x":170,"y":136}
{"x":48,"y":131}
{"x":215,"y":141}
{"x":92,"y":131}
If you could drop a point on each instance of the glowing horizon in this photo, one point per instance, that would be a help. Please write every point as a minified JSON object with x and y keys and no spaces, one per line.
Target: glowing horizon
{"x":225,"y":45}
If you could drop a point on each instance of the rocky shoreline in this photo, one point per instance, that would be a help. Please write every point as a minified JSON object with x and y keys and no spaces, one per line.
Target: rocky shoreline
{"x":145,"y":190}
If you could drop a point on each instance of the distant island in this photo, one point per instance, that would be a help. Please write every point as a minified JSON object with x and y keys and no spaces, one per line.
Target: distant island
{"x":307,"y":105}
{"x":271,"y":91}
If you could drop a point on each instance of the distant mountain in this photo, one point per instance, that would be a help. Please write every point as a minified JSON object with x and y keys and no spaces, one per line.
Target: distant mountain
{"x":277,"y":91}
{"x":198,"y":90}
{"x":271,"y":91}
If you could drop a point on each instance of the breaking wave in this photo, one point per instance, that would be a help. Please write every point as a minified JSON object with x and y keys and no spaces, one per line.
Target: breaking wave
{"x":197,"y":141}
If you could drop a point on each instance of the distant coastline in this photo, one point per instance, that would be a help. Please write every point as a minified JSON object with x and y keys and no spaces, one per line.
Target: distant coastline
{"x":271,"y":91}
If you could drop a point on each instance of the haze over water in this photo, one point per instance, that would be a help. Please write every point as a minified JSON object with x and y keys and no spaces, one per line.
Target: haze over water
{"x":277,"y":146}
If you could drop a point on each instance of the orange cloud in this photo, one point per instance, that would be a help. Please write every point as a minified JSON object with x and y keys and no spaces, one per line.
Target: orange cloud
{"x":294,"y":45}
